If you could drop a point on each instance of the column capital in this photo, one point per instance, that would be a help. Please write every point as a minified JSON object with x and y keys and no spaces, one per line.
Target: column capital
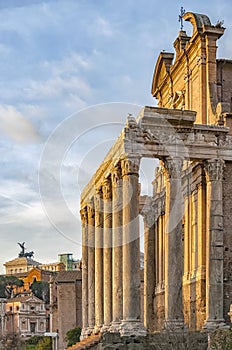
{"x":106,"y":189}
{"x":84,"y":215}
{"x":116,"y":176}
{"x":98,"y":199}
{"x":214,"y":169}
{"x":91,"y":210}
{"x":172,"y":167}
{"x":130,"y":166}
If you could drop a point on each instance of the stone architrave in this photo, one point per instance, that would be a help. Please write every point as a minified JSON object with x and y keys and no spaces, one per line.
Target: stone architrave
{"x":149,"y":218}
{"x":214,"y":244}
{"x":91,"y":267}
{"x":107,"y":253}
{"x":173,"y":244}
{"x":98,"y":261}
{"x":131,"y":323}
{"x":84,"y":220}
{"x":117,"y":200}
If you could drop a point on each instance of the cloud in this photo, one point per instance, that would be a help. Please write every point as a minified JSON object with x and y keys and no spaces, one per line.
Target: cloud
{"x":15,"y":125}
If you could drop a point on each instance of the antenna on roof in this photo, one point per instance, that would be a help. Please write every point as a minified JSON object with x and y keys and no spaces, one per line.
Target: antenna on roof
{"x":182,"y":12}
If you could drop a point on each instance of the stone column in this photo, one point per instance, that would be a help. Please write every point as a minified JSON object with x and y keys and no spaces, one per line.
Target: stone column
{"x":91,"y":267}
{"x":149,"y":218}
{"x":84,"y":220}
{"x":98,"y":261}
{"x":173,"y":244}
{"x":117,"y":312}
{"x":214,"y":244}
{"x":107,"y":255}
{"x":131,"y":324}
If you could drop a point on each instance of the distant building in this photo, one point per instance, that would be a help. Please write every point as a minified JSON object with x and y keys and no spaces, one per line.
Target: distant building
{"x":19,"y":265}
{"x":69,"y":262}
{"x":65,"y":303}
{"x":25,"y":315}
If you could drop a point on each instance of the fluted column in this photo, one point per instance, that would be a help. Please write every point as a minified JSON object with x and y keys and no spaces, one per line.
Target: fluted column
{"x":117,"y":312}
{"x":214,"y":244}
{"x":149,"y":219}
{"x":84,"y":220}
{"x":173,"y":244}
{"x":131,"y":324}
{"x":107,"y":253}
{"x":91,"y":267}
{"x":98,"y":261}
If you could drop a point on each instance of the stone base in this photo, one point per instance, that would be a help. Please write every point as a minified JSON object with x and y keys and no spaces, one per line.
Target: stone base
{"x":97,"y":330}
{"x":105,"y":328}
{"x":85,"y":333}
{"x":114,"y":328}
{"x":211,"y":325}
{"x":131,"y":328}
{"x":175,"y":326}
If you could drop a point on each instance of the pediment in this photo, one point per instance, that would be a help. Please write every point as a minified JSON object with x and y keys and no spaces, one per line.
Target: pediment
{"x":162,"y":68}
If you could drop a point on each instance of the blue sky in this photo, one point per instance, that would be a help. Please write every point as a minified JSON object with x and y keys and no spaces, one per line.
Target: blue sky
{"x":58,"y":61}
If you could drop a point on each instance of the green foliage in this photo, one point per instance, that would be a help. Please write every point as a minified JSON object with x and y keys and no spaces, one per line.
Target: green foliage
{"x":45,"y":344}
{"x":221,"y":339}
{"x":41,"y":290}
{"x":73,"y":336}
{"x":38,"y":343}
{"x":7,"y":284}
{"x":34,"y":340}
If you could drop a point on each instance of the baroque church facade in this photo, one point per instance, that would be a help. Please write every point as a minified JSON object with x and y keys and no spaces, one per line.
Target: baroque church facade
{"x":187,"y":220}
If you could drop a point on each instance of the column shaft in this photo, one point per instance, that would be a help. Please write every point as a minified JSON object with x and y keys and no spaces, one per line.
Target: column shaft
{"x":173,"y":244}
{"x":149,"y":218}
{"x":98,"y":261}
{"x":84,"y":220}
{"x":107,"y":223}
{"x":214,"y":244}
{"x":91,"y":267}
{"x":131,"y":249}
{"x":117,"y":248}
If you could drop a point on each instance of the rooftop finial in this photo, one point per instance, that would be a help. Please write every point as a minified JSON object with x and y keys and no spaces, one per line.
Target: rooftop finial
{"x":182,"y":12}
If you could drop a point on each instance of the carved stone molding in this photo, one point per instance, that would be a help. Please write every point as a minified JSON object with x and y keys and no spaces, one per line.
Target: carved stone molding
{"x":130,"y":166}
{"x":173,"y":167}
{"x":116,"y":176}
{"x":214,"y":169}
{"x":107,"y":189}
{"x":84,"y":216}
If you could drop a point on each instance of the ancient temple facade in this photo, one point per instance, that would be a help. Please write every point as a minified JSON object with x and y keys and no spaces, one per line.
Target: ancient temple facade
{"x":187,"y":220}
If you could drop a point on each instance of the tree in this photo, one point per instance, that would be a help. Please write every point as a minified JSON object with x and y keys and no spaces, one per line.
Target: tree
{"x":73,"y":336}
{"x":41,"y":290}
{"x":8,"y":284}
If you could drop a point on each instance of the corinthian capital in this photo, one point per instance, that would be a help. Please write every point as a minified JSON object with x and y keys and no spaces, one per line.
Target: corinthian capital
{"x":84,"y":216}
{"x":98,"y":199}
{"x":173,"y":167}
{"x":106,"y":189}
{"x":116,"y":176}
{"x":91,"y":211}
{"x":214,"y":169}
{"x":130,"y":166}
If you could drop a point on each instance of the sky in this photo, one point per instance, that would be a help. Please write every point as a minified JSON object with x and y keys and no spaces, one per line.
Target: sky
{"x":71,"y":71}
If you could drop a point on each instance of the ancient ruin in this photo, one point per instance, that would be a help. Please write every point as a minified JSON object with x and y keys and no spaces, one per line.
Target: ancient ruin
{"x":187,"y":221}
